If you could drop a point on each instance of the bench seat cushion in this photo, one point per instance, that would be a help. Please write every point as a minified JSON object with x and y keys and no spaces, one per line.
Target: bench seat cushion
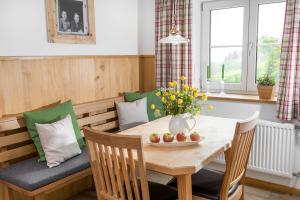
{"x":31,"y":174}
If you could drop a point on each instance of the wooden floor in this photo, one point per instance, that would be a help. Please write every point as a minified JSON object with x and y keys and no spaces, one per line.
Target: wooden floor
{"x":251,"y":193}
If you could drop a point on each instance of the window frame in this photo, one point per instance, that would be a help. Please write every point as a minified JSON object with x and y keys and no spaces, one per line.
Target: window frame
{"x":250,"y":36}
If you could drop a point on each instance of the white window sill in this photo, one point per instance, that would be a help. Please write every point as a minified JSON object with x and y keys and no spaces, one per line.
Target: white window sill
{"x":240,"y":98}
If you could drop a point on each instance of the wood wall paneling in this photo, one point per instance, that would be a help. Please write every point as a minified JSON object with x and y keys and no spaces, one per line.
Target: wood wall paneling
{"x":27,"y":83}
{"x":147,"y":72}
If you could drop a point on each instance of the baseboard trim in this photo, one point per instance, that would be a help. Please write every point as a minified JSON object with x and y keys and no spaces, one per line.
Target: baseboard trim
{"x":271,"y":186}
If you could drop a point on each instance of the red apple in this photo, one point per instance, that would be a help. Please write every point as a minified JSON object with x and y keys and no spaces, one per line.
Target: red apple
{"x":154,"y":138}
{"x":168,"y":137}
{"x":195,"y":136}
{"x":181,"y":137}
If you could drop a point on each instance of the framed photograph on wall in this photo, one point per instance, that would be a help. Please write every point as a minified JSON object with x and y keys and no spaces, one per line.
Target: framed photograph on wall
{"x":71,"y":21}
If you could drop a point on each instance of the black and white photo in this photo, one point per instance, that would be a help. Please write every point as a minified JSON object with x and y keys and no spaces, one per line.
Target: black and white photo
{"x":71,"y":21}
{"x":72,"y":17}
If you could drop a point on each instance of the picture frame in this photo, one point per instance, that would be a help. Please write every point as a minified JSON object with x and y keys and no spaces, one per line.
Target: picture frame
{"x":71,"y":21}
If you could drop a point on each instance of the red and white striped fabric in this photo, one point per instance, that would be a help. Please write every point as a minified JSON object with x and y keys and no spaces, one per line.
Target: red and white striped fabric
{"x":288,"y":95}
{"x":173,"y":61}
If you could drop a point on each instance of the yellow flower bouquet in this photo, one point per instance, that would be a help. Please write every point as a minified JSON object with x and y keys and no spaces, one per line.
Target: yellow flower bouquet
{"x":180,"y":98}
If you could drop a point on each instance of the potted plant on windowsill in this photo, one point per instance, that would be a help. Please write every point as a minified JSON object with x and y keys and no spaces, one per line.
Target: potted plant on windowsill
{"x":266,"y":87}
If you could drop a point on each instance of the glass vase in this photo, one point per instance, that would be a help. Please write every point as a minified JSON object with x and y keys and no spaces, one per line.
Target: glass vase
{"x":222,"y":86}
{"x":207,"y":87}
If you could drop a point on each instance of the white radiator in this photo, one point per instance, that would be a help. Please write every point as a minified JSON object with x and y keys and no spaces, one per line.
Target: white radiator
{"x":273,"y":149}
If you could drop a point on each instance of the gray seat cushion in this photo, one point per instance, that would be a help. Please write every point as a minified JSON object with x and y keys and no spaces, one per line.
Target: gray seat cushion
{"x":207,"y":184}
{"x":31,"y":175}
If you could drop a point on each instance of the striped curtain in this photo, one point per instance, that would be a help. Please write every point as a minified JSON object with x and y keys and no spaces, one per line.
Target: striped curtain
{"x":288,"y":95}
{"x":173,"y":61}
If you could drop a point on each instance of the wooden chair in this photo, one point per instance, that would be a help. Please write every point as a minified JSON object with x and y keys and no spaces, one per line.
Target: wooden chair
{"x":117,"y":162}
{"x":210,"y":184}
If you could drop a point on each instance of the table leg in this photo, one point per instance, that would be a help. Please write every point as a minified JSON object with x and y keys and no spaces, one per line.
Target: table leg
{"x":184,"y":183}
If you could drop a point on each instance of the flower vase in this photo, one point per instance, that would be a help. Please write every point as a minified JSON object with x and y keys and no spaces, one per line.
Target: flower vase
{"x":179,"y":124}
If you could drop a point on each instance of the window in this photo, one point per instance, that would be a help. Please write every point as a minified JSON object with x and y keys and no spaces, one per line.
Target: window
{"x":226,"y":43}
{"x":245,"y":37}
{"x":270,"y":28}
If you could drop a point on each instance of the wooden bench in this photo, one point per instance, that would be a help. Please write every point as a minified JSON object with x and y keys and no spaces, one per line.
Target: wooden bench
{"x":16,"y":144}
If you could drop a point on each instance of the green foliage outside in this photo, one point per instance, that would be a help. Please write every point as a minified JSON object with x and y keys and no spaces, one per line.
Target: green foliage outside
{"x":232,"y":63}
{"x":268,"y":61}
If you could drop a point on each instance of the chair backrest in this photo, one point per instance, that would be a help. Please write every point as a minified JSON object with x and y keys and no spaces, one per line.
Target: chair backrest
{"x":116,"y":162}
{"x":16,"y":144}
{"x":237,"y":157}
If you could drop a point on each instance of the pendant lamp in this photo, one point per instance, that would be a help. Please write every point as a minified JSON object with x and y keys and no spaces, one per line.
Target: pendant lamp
{"x":174,"y":37}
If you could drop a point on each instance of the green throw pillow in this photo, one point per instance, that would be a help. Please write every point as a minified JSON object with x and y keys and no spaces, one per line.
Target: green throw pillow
{"x":50,"y":115}
{"x":151,"y":99}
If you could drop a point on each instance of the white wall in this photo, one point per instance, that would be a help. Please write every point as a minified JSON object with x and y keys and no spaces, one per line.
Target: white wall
{"x":146,"y":21}
{"x":242,"y":110}
{"x":23,"y":30}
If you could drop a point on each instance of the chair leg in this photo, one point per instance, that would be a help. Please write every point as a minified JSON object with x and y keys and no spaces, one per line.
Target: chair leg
{"x":237,"y":195}
{"x":243,"y":192}
{"x":7,"y":193}
{"x":40,"y":196}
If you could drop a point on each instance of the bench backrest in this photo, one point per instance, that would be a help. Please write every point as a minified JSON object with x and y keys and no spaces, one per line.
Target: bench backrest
{"x":16,"y":144}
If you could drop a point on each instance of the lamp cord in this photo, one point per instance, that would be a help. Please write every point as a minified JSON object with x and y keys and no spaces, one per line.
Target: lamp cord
{"x":174,"y":12}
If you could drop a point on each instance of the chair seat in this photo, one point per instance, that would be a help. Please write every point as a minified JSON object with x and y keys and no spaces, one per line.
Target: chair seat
{"x":207,"y":183}
{"x":31,"y":174}
{"x":162,"y":192}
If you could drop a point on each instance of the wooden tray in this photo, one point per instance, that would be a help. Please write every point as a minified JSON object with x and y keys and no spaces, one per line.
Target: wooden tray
{"x":175,"y":143}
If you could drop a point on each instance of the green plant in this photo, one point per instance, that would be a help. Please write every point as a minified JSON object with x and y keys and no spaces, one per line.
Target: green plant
{"x":266,"y":80}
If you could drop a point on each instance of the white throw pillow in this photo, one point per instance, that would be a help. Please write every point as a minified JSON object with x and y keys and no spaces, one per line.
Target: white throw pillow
{"x":58,"y":141}
{"x":131,"y":114}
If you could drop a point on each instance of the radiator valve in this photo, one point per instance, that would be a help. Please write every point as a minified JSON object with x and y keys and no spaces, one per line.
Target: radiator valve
{"x":296,"y":174}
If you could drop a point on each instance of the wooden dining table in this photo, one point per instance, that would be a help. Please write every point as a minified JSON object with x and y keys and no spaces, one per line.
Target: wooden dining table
{"x":182,"y":162}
